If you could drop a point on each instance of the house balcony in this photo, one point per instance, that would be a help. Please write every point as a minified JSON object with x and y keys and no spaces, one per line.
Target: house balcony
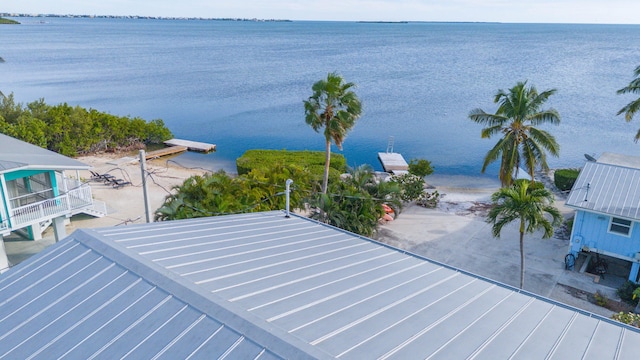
{"x":75,"y":199}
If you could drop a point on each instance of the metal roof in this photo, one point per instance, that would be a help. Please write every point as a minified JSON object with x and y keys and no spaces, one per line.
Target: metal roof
{"x":607,"y":189}
{"x":290,"y":286}
{"x":19,"y":155}
{"x":620,"y":160}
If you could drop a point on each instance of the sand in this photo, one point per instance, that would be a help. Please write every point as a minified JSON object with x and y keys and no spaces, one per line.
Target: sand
{"x":125,"y":205}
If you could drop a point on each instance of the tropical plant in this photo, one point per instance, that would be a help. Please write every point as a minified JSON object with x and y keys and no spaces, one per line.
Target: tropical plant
{"x":355,"y":204}
{"x":565,"y":178}
{"x":527,"y":205}
{"x":631,"y":108}
{"x":518,"y":114}
{"x":420,"y":167}
{"x":429,"y":199}
{"x":411,"y":186}
{"x":312,"y":160}
{"x":334,"y":107}
{"x":219,"y":194}
{"x":627,"y":290}
{"x":75,"y":130}
{"x":628,"y":318}
{"x":347,"y":207}
{"x":383,"y":192}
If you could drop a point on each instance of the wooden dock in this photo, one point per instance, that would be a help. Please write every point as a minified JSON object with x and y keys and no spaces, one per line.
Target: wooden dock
{"x":191,"y":145}
{"x":393,"y":162}
{"x":148,"y":155}
{"x":164,"y":152}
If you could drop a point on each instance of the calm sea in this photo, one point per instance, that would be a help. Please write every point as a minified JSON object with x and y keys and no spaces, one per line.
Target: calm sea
{"x":241,"y":85}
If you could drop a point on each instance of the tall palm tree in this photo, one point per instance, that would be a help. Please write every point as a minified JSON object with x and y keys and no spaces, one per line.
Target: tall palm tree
{"x":516,"y":119}
{"x":631,"y":108}
{"x":334,"y":107}
{"x":527,"y":204}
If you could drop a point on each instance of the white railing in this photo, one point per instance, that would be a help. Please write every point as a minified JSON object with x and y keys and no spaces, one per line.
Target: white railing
{"x":77,"y":196}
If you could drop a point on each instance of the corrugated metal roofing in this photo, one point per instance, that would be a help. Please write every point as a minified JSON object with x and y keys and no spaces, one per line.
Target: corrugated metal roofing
{"x":287,"y":285}
{"x":16,"y":154}
{"x":620,"y":160}
{"x":81,"y":300}
{"x":607,"y":189}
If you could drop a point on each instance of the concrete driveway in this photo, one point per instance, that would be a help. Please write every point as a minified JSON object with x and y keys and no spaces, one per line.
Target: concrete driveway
{"x":465,"y":242}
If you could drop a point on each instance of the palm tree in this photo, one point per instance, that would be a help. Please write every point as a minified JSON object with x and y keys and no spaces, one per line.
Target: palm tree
{"x":516,"y":119}
{"x":528,"y":204}
{"x":383,"y":192}
{"x":631,"y":108}
{"x":334,"y":107}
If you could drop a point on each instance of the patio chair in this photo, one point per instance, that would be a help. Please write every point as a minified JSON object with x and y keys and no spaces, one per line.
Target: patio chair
{"x":118,"y":183}
{"x":95,"y":176}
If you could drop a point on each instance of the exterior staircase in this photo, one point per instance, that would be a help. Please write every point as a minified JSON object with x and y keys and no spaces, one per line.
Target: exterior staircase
{"x":97,"y":209}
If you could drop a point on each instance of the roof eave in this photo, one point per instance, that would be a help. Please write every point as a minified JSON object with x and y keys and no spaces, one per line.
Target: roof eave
{"x":45,"y":167}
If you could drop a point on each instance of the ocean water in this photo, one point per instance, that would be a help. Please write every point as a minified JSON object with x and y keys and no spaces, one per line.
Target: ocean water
{"x":241,"y":85}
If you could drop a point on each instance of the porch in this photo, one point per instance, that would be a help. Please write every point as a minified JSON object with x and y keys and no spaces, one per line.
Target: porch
{"x":75,"y":197}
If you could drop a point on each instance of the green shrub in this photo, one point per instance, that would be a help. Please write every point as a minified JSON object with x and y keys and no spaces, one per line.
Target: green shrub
{"x":311,"y":160}
{"x":429,"y":200}
{"x":569,"y":223}
{"x":601,"y":299}
{"x":625,"y":292}
{"x":411,"y":186}
{"x":565,"y":178}
{"x":420,"y":167}
{"x":74,"y":130}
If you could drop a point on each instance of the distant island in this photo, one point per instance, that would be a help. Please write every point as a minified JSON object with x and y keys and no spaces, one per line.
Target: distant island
{"x":8,"y":21}
{"x":132,"y":17}
{"x":383,"y":22}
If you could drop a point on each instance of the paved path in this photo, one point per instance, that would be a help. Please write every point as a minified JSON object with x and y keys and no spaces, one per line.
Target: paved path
{"x":466,"y":242}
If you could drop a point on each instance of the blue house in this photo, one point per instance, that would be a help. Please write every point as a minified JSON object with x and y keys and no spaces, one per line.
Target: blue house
{"x":36,"y":193}
{"x":606,"y":197}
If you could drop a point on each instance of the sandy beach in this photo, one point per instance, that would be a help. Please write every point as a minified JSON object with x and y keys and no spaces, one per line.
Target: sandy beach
{"x":125,"y":205}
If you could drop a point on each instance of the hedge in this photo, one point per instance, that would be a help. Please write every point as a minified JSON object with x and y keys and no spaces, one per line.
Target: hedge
{"x":565,"y":178}
{"x":311,"y":160}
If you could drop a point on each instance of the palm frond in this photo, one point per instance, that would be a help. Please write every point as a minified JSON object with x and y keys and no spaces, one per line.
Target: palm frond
{"x":630,"y":109}
{"x":550,"y":116}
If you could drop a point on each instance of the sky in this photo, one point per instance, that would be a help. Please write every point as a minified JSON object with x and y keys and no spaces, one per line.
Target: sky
{"x":515,"y":11}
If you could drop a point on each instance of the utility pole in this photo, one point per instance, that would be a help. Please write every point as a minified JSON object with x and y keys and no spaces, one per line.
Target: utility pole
{"x":143,"y":170}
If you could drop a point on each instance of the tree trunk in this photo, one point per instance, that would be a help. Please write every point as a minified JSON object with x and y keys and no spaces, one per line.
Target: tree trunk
{"x":327,"y":161}
{"x":522,"y":258}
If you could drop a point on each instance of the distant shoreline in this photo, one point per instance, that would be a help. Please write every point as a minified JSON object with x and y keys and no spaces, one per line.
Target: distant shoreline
{"x":138,"y":17}
{"x":8,"y":21}
{"x":383,"y":22}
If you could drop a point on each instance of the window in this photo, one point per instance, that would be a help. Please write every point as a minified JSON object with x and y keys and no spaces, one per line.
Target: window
{"x":620,"y":226}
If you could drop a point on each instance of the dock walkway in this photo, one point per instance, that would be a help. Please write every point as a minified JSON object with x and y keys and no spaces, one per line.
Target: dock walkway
{"x":393,"y":162}
{"x":191,"y":145}
{"x":149,"y":156}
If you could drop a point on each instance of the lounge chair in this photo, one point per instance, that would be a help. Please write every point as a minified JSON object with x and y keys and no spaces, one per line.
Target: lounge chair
{"x":107,"y":178}
{"x":95,"y":176}
{"x":118,"y":183}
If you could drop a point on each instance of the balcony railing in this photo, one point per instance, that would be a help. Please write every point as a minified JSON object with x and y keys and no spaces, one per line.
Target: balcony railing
{"x":77,"y":196}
